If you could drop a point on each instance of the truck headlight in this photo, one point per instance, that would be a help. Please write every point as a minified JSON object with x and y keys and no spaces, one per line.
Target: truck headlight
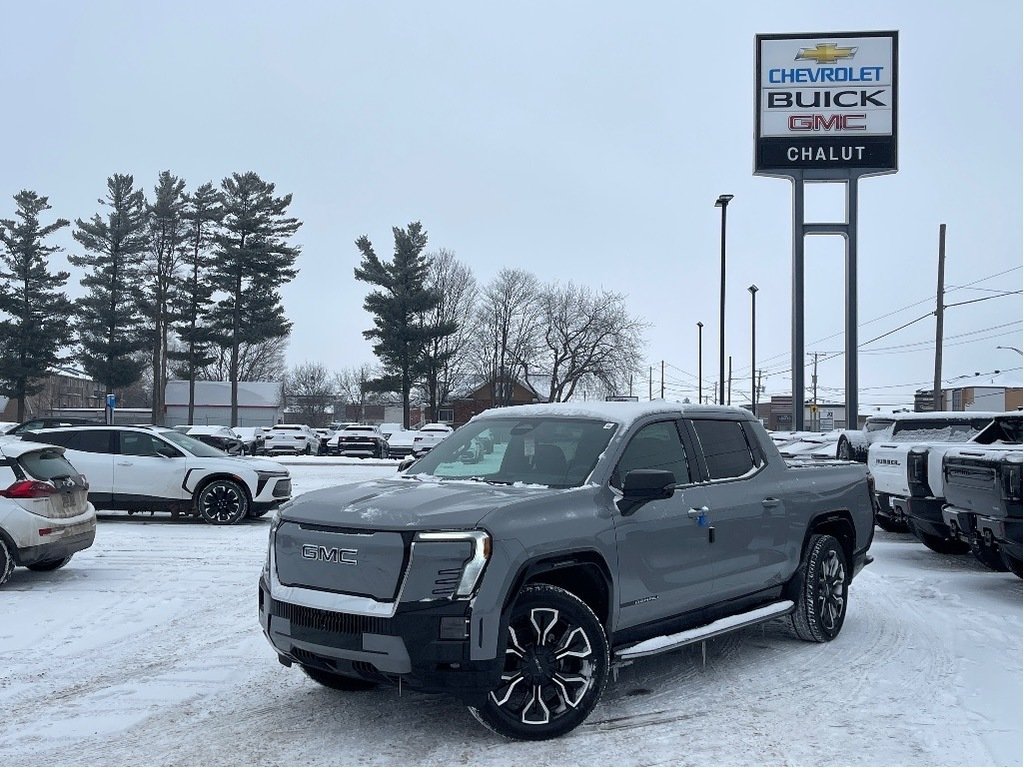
{"x":474,"y":567}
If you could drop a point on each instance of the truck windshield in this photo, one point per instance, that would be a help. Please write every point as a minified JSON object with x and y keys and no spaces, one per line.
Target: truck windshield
{"x":560,"y":453}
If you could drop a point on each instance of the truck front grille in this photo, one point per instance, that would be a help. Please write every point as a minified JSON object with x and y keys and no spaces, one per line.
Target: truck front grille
{"x":330,"y":621}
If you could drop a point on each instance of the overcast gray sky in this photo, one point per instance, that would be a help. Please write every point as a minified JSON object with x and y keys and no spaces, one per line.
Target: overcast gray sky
{"x":580,"y":141}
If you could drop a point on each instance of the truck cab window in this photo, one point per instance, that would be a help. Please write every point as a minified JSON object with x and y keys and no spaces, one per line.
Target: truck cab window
{"x":656,"y":446}
{"x":725,"y":448}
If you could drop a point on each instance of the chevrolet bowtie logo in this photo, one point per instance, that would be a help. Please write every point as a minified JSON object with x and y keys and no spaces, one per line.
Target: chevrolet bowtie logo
{"x":826,"y":53}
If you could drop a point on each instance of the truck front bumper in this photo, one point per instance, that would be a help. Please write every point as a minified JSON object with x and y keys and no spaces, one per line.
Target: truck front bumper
{"x":424,"y":644}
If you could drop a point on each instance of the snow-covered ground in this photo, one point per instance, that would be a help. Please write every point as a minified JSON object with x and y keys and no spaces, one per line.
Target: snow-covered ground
{"x":146,"y":650}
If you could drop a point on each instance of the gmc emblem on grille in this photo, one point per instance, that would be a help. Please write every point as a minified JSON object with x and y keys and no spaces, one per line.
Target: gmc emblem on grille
{"x":329,"y":554}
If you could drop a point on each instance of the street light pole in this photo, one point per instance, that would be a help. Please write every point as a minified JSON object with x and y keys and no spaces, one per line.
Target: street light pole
{"x":723,"y":203}
{"x":700,"y":363}
{"x":1013,"y":348}
{"x":753,"y":348}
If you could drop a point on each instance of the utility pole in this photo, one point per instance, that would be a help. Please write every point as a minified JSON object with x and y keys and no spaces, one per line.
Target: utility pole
{"x":650,"y":384}
{"x":760,"y":389}
{"x":662,"y":379}
{"x":729,"y":400}
{"x":814,"y":397}
{"x":631,"y":385}
{"x":939,"y":297}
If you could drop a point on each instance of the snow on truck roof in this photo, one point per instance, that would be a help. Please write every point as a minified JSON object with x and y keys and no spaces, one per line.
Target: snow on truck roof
{"x":622,"y":413}
{"x":946,"y":415}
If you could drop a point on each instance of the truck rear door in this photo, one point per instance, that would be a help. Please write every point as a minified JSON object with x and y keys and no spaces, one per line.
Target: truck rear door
{"x":746,"y":511}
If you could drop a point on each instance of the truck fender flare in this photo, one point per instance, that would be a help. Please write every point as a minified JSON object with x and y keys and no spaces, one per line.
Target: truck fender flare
{"x":590,"y":560}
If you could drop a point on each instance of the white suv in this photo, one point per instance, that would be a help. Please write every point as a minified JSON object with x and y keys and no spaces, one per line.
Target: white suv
{"x":428,"y":437}
{"x":45,"y":514}
{"x":292,"y":438}
{"x":158,"y":469}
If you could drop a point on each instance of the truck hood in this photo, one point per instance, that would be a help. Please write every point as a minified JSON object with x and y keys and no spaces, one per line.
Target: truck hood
{"x":407,"y":504}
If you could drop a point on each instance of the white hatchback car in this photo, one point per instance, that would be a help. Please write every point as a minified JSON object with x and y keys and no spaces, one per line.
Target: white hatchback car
{"x":158,"y":469}
{"x":45,"y":514}
{"x":292,"y":438}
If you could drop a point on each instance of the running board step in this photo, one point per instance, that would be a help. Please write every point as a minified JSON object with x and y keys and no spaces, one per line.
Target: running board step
{"x":728,"y":624}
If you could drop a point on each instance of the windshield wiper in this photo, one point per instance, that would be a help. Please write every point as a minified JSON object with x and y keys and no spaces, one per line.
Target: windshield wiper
{"x":489,"y":481}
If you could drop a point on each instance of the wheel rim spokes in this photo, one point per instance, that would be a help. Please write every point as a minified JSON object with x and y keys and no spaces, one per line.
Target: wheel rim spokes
{"x":576,"y":644}
{"x":548,"y":668}
{"x":221,"y":503}
{"x":543,"y":621}
{"x":566,"y":684}
{"x":536,"y":712}
{"x":831,"y":600}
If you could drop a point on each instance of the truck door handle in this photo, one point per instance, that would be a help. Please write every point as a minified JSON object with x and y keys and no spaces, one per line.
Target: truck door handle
{"x":693,"y":512}
{"x":124,"y":463}
{"x":770,"y":502}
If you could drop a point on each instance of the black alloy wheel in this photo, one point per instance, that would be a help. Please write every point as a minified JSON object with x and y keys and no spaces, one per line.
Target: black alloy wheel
{"x":556,"y":665}
{"x":50,"y":565}
{"x":222,"y":502}
{"x":822,"y":590}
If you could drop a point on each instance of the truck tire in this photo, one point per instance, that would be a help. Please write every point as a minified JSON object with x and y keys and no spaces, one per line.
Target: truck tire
{"x":941,"y":545}
{"x":890,"y":525}
{"x":821,"y":590}
{"x":222,"y":502}
{"x":556,"y":665}
{"x":6,"y":562}
{"x":989,"y":555}
{"x":50,"y":565}
{"x":844,"y":450}
{"x":1015,"y":566}
{"x":336,"y":681}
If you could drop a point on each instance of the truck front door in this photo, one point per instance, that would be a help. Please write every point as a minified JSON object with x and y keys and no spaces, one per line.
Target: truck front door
{"x":663,"y":552}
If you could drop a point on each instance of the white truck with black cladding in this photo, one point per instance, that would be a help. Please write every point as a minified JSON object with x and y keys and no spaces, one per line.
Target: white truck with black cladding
{"x":899,"y":463}
{"x":590,"y":535}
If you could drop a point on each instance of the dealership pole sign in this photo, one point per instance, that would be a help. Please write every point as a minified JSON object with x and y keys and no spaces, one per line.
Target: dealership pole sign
{"x":826,"y":103}
{"x":825,"y":111}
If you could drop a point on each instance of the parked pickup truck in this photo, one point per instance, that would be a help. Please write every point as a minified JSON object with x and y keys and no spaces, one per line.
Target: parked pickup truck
{"x":588,"y":536}
{"x":897,"y":473}
{"x":927,"y":483}
{"x":983,"y":501}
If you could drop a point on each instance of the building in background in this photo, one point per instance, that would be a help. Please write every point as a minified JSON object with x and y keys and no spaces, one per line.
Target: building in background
{"x":259,"y":403}
{"x":996,"y":391}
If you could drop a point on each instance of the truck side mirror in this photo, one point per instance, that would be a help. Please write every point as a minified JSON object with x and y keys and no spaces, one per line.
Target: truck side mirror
{"x":643,"y":485}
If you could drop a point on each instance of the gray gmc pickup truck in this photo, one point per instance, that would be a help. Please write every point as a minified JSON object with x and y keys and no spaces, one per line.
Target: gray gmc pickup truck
{"x":539,"y":546}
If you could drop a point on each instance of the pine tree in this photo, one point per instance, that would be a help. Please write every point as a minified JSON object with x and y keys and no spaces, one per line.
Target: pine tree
{"x":193,"y":299}
{"x":253,"y":261}
{"x":111,"y":321}
{"x":399,"y":309}
{"x":166,"y":238}
{"x":37,"y":328}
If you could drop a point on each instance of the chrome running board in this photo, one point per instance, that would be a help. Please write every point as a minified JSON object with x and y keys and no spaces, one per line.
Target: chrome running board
{"x":728,"y":624}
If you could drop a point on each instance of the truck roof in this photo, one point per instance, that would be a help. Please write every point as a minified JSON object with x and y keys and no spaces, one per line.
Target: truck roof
{"x":620,"y":412}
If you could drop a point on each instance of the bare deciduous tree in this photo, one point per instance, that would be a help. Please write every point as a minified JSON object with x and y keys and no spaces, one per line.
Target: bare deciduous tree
{"x":588,"y":340}
{"x":310,"y":388}
{"x":446,"y":359}
{"x":260,"y":361}
{"x":507,"y":331}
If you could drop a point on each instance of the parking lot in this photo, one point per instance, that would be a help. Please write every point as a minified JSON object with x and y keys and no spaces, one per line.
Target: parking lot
{"x":146,"y":650}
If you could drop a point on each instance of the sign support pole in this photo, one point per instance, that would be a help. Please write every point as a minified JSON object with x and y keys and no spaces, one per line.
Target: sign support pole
{"x":798,"y":302}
